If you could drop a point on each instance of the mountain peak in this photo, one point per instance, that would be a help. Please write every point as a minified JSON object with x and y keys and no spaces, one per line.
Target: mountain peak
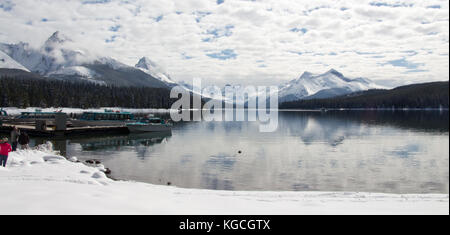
{"x":57,"y":38}
{"x":306,"y":74}
{"x":329,"y":84}
{"x":335,"y":72}
{"x":146,"y":63}
{"x":150,"y":67}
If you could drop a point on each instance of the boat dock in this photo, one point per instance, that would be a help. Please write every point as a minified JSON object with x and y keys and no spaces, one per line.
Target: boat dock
{"x":57,"y":124}
{"x":69,"y":131}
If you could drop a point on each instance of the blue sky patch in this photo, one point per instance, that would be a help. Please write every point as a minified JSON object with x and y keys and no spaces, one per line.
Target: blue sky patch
{"x":159,"y":18}
{"x":365,"y":53}
{"x":314,"y":9}
{"x":7,"y":5}
{"x":384,"y":4}
{"x":200,"y":15}
{"x":410,"y":52}
{"x":296,"y":30}
{"x":434,"y":6}
{"x":417,"y":71}
{"x":218,"y":33}
{"x":186,"y":57}
{"x":96,"y":1}
{"x":223,"y":55}
{"x":112,"y":39}
{"x":114,"y":28}
{"x":296,"y":52}
{"x":405,"y":64}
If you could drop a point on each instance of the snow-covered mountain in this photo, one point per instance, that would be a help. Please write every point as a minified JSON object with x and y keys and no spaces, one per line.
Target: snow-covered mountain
{"x":308,"y":86}
{"x":58,"y":58}
{"x":52,"y":56}
{"x":329,"y":84}
{"x":156,"y":71}
{"x":8,"y":63}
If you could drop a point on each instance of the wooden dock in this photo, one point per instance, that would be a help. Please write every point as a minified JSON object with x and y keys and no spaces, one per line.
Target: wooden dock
{"x":70,"y":131}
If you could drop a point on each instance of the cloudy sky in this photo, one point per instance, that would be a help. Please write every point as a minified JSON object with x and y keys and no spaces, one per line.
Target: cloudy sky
{"x":258,"y":42}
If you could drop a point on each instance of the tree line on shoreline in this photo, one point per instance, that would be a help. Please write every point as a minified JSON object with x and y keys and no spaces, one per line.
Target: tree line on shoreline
{"x":26,"y":92}
{"x":421,"y":96}
{"x":23,"y":92}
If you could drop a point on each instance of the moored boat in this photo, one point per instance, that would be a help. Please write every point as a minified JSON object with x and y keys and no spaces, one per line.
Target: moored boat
{"x":152,"y":124}
{"x":3,"y":113}
{"x":107,"y":118}
{"x":38,"y":115}
{"x":3,"y":116}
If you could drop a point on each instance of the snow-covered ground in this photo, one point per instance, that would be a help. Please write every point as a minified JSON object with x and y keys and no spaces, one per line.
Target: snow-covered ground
{"x":41,"y":182}
{"x":17,"y":111}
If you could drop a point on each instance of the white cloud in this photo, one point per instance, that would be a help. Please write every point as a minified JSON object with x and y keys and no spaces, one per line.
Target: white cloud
{"x":274,"y":40}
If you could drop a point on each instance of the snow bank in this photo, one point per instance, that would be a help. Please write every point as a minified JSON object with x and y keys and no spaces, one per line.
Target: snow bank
{"x":41,"y":182}
{"x":17,"y":111}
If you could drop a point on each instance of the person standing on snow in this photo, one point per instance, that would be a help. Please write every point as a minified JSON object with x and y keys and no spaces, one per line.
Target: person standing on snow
{"x":24,"y":140}
{"x":14,"y":138}
{"x":5,"y":149}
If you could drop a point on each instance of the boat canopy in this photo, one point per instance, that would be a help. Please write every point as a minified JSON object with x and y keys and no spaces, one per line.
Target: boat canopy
{"x":43,"y":115}
{"x":110,"y":116}
{"x":154,"y":120}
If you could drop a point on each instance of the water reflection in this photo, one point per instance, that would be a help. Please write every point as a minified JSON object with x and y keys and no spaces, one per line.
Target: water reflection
{"x":118,"y":141}
{"x":392,"y":152}
{"x":103,"y":143}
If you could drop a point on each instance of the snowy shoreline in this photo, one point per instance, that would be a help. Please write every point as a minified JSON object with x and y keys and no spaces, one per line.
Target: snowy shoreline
{"x":41,"y":182}
{"x":18,"y":111}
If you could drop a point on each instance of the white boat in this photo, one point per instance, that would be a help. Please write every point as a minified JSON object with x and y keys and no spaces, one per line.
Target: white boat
{"x":149,"y":125}
{"x":3,"y":112}
{"x":38,"y":115}
{"x":108,"y":118}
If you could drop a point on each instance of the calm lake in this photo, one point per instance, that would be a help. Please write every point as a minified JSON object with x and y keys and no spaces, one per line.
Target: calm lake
{"x":357,"y":151}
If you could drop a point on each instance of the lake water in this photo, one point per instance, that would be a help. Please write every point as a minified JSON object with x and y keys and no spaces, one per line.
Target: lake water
{"x":357,"y":151}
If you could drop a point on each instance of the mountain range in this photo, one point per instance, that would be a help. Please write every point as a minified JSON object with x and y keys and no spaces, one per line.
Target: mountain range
{"x":57,"y":59}
{"x":309,"y":86}
{"x":433,"y":95}
{"x":321,"y":86}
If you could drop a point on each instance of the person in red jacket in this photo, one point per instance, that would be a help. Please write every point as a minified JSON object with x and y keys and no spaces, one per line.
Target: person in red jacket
{"x":5,"y":149}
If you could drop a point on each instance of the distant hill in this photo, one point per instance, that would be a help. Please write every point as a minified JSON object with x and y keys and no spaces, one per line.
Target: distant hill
{"x":427,"y":95}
